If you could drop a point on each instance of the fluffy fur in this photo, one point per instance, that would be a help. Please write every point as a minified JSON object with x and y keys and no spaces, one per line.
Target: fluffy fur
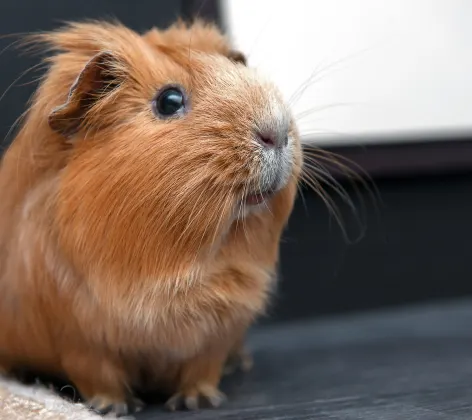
{"x":127,"y":259}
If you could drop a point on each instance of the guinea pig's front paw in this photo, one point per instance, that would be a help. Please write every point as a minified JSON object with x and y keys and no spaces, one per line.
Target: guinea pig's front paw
{"x":199,"y":396}
{"x":238,"y":361}
{"x":103,"y":404}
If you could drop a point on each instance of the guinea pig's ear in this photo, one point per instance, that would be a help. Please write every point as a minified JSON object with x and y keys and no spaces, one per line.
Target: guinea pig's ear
{"x":94,"y":81}
{"x":237,"y":57}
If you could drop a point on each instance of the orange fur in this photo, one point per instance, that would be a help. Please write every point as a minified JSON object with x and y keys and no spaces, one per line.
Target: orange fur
{"x":119,"y":249}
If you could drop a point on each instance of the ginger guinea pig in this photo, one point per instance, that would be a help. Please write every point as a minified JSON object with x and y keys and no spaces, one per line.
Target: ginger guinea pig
{"x":143,"y":202}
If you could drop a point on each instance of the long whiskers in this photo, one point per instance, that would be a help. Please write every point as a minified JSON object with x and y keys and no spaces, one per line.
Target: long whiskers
{"x":325,"y":178}
{"x":319,"y":73}
{"x":301,"y":115}
{"x":243,"y":207}
{"x":36,"y":66}
{"x":227,"y":202}
{"x":316,"y":173}
{"x":317,"y":187}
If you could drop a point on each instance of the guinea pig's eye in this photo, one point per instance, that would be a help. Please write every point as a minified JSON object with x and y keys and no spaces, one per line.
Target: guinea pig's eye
{"x":170,"y":102}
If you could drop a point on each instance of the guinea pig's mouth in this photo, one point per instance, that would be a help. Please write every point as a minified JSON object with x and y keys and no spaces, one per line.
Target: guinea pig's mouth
{"x":254,"y":199}
{"x":258,"y":198}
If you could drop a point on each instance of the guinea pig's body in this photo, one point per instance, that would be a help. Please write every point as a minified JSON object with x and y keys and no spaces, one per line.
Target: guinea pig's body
{"x":142,"y":206}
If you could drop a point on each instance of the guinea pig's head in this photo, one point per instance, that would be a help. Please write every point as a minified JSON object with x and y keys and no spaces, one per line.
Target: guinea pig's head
{"x":170,"y":143}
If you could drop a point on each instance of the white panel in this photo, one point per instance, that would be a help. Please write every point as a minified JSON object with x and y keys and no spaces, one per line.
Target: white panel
{"x":379,"y":66}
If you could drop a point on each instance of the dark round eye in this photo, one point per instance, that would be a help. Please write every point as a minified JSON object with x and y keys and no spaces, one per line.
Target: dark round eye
{"x":170,"y":102}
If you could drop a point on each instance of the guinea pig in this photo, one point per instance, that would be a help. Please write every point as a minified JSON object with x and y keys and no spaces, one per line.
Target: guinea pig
{"x":143,"y":202}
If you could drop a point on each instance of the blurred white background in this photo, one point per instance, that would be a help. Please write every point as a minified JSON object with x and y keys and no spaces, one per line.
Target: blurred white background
{"x":379,"y":67}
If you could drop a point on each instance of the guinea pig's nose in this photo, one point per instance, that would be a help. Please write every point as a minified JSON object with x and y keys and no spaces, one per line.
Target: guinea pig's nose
{"x":273,"y":139}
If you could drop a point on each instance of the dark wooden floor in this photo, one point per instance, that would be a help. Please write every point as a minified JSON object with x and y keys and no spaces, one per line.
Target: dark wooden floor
{"x":413,"y":363}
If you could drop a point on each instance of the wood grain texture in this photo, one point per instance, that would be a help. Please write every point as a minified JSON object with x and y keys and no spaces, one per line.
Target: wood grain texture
{"x":414,"y":363}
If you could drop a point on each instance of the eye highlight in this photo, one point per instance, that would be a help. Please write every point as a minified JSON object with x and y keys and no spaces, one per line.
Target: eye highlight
{"x":170,"y":102}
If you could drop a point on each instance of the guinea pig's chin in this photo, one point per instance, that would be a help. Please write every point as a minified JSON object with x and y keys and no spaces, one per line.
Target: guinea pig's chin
{"x":271,"y":182}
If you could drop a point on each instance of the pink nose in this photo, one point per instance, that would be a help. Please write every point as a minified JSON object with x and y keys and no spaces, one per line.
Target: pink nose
{"x":277,"y":140}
